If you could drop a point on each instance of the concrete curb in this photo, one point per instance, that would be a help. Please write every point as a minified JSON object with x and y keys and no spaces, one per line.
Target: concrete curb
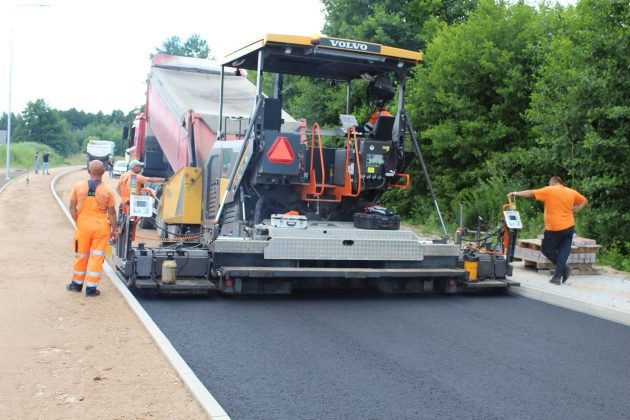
{"x":199,"y":391}
{"x":589,"y":308}
{"x":7,"y":184}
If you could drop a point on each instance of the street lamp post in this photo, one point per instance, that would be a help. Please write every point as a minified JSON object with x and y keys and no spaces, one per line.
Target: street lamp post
{"x":8,"y":174}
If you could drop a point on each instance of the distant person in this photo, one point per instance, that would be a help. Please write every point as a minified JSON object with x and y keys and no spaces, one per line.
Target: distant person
{"x":93,"y":208}
{"x":36,"y":162}
{"x":132,"y":182}
{"x":110,"y":166}
{"x":45,"y":158}
{"x":381,"y":109}
{"x":560,"y":204}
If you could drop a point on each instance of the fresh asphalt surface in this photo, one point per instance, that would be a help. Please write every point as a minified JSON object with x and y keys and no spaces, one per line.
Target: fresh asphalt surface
{"x":370,"y":356}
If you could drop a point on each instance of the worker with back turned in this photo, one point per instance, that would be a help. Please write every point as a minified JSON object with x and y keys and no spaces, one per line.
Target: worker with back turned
{"x":560,"y":204}
{"x":93,"y":209}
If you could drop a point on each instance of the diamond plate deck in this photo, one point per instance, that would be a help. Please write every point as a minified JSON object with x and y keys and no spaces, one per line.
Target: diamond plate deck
{"x":318,"y":248}
{"x":339,"y":241}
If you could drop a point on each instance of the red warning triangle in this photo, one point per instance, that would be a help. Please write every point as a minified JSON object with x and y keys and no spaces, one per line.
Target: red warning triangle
{"x":281,"y":151}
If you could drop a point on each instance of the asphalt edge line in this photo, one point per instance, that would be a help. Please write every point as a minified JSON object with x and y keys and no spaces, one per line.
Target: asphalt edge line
{"x":199,"y":391}
{"x":616,"y":315}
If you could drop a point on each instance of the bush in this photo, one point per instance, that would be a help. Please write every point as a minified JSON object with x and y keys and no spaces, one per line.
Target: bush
{"x":615,"y":255}
{"x":23,"y":155}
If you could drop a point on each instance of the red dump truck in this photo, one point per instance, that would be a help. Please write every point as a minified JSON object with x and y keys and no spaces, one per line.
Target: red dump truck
{"x":257,"y":203}
{"x":180,"y":121}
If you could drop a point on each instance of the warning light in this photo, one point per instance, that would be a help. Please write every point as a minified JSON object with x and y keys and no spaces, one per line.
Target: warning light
{"x":281,"y":151}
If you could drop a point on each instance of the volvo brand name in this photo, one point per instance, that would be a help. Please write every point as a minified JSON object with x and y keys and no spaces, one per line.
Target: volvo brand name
{"x":349,"y":45}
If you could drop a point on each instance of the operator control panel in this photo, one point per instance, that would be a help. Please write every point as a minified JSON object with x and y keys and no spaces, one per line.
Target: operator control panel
{"x":374,"y":156}
{"x":512,"y":219}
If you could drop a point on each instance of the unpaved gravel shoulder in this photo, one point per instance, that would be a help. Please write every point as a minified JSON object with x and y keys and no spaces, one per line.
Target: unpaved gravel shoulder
{"x":65,"y":355}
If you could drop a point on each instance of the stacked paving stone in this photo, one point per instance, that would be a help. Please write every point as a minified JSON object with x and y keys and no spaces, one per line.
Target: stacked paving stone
{"x":583,"y":254}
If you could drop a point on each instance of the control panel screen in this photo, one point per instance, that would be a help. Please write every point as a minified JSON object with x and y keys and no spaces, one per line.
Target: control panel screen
{"x":374,"y":159}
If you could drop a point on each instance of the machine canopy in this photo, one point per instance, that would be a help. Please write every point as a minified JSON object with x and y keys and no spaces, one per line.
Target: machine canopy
{"x":330,"y":58}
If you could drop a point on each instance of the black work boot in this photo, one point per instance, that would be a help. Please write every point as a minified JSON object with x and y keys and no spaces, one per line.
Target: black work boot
{"x":566,"y":274}
{"x":555,"y":280}
{"x":92,"y":291}
{"x":74,"y":287}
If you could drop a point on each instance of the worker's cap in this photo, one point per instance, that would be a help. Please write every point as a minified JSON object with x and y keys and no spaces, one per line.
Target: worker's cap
{"x":135,"y":163}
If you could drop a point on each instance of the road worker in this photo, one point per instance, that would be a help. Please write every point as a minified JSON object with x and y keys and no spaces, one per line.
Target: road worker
{"x":132,"y":182}
{"x":561,"y":203}
{"x":93,"y":208}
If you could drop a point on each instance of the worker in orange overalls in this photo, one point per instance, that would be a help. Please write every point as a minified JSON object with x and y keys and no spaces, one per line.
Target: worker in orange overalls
{"x":93,"y":208}
{"x":381,"y":109}
{"x":132,"y":182}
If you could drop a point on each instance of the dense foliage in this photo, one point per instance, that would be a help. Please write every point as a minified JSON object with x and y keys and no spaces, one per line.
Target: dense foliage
{"x":508,"y":96}
{"x":194,"y":46}
{"x":66,"y":132}
{"x":580,"y":111}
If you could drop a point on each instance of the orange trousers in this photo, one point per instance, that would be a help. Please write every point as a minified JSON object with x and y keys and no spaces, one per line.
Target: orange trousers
{"x":90,"y":240}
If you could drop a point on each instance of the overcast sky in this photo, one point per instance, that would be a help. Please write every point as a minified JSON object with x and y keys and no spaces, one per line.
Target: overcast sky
{"x":94,"y":55}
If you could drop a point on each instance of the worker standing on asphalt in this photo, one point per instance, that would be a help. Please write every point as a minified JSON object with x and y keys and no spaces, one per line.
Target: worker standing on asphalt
{"x":560,"y":204}
{"x":132,"y":182}
{"x":93,"y":208}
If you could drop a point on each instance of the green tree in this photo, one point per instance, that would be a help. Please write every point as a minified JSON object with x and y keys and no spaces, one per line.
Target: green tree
{"x":470,"y":97}
{"x":580,"y":112}
{"x":398,"y":23}
{"x":99,"y":131}
{"x":389,"y":22}
{"x":4,"y":120}
{"x":76,"y":119}
{"x":44,"y":125}
{"x":194,"y":46}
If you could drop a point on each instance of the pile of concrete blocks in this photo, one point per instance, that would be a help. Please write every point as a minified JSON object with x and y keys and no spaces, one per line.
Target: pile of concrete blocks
{"x":583,"y":254}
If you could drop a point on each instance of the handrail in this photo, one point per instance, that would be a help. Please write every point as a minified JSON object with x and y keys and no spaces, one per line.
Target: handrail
{"x":404,"y":186}
{"x":239,"y":159}
{"x":357,"y":161}
{"x":321,"y":159}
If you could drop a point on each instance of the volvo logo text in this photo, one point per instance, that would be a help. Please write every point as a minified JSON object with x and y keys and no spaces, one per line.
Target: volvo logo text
{"x":349,"y":45}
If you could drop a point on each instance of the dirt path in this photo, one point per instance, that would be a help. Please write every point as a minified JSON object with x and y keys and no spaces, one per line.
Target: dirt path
{"x":64,"y":355}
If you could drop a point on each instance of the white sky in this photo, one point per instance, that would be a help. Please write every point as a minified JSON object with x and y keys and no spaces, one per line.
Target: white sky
{"x":94,"y":55}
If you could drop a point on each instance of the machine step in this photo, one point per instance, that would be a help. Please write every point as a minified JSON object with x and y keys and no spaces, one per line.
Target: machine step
{"x":276,"y":272}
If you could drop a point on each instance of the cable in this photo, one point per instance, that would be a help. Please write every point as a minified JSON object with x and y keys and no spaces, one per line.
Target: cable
{"x":180,"y":237}
{"x":488,"y":235}
{"x":185,"y":262}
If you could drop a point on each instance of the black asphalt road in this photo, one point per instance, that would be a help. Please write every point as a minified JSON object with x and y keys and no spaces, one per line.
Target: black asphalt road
{"x":372,"y":356}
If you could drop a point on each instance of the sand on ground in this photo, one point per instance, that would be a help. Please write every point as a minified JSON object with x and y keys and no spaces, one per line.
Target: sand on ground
{"x":64,"y":355}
